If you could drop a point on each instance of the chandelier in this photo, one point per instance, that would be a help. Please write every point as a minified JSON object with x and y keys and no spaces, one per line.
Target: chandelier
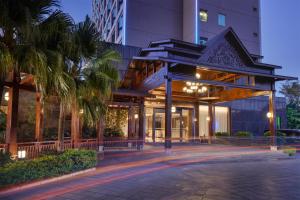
{"x":192,"y":87}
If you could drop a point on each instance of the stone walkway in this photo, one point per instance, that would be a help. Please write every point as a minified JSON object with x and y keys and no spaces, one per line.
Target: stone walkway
{"x":188,"y":172}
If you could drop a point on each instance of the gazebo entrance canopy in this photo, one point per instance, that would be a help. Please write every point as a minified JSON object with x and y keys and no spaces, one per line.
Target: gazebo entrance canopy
{"x":172,"y":71}
{"x":222,"y":70}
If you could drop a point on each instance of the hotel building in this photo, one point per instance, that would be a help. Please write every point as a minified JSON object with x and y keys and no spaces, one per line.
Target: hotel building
{"x":207,"y":78}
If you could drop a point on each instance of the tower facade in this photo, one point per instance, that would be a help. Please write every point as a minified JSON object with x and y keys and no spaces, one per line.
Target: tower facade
{"x":138,"y":22}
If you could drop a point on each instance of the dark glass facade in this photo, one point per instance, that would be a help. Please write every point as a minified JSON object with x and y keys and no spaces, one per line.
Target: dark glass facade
{"x":251,"y":114}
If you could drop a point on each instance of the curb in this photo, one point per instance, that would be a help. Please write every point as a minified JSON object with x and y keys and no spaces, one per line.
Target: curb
{"x":42,"y":182}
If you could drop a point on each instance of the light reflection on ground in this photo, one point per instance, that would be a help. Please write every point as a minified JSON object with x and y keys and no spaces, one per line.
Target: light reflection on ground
{"x":194,"y":171}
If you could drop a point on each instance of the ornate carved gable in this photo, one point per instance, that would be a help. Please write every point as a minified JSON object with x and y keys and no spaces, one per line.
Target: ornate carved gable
{"x":223,"y":53}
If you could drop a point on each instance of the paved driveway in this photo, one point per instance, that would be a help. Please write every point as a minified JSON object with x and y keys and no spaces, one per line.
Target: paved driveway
{"x":188,"y":172}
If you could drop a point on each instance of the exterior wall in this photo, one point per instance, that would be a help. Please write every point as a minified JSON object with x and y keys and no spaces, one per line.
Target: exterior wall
{"x":240,"y":15}
{"x":189,"y":21}
{"x":250,"y":114}
{"x":138,"y":22}
{"x":126,"y":52}
{"x":109,"y":18}
{"x":153,"y":20}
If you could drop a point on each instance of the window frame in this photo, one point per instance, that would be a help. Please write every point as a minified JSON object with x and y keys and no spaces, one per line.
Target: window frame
{"x":221,"y":19}
{"x":200,"y":16}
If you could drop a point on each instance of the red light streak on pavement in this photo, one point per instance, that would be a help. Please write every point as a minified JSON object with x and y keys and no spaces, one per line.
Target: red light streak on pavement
{"x":57,"y":192}
{"x":182,"y":149}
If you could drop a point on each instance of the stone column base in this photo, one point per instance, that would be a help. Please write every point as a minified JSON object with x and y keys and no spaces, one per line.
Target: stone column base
{"x":274,"y":148}
{"x":100,"y":149}
{"x":140,"y":147}
{"x":168,"y":151}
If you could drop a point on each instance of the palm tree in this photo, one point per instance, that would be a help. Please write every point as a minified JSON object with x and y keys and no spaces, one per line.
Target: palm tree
{"x":27,"y":29}
{"x":94,"y":76}
{"x":101,"y":77}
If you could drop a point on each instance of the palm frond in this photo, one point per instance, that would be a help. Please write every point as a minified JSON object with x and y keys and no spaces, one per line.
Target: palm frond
{"x":6,"y":61}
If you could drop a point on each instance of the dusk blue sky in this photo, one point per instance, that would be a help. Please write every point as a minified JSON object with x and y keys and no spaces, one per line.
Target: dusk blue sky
{"x":280,"y":30}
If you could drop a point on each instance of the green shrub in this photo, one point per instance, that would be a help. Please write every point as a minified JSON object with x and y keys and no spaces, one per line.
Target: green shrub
{"x":222,"y":134}
{"x":113,"y":132}
{"x":243,"y":134}
{"x":47,"y":166}
{"x":5,"y":158}
{"x":278,"y":133}
{"x":291,"y":151}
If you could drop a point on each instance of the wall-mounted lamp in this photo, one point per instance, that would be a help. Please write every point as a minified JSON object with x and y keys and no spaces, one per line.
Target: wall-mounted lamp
{"x":136,"y":116}
{"x":6,"y":96}
{"x":269,"y":115}
{"x":173,"y":109}
{"x":207,"y":118}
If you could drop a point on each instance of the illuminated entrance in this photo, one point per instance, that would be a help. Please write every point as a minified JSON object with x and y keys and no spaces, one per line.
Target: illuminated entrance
{"x":181,"y":88}
{"x":183,"y":123}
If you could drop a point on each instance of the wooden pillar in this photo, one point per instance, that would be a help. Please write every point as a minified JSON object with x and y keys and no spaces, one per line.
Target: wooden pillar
{"x":168,"y":112}
{"x":181,"y":127}
{"x":141,"y":137}
{"x":272,"y":118}
{"x":100,"y":134}
{"x":1,"y":91}
{"x":153,"y":126}
{"x":39,"y":118}
{"x":75,"y":126}
{"x":12,"y":116}
{"x":131,"y":123}
{"x":211,"y":120}
{"x":197,"y":121}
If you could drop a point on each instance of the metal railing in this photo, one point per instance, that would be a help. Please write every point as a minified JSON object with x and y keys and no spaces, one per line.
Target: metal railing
{"x":31,"y":150}
{"x":117,"y":143}
{"x":3,"y":148}
{"x":35,"y":149}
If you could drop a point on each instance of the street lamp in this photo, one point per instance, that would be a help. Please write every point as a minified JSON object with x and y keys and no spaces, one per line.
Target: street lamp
{"x":21,"y":154}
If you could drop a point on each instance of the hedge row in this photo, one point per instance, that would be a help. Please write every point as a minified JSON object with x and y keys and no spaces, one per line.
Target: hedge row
{"x":47,"y":166}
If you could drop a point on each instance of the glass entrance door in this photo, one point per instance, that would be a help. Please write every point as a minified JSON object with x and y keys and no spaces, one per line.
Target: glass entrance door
{"x":182,"y":125}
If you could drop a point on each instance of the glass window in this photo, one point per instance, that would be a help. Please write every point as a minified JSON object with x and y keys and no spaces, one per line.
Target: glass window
{"x":203,"y":120}
{"x":203,"y":40}
{"x":221,"y":20}
{"x":120,"y":4}
{"x":278,"y":122}
{"x":221,"y":119}
{"x":203,"y":15}
{"x":149,"y":124}
{"x":114,"y":14}
{"x":120,"y":24}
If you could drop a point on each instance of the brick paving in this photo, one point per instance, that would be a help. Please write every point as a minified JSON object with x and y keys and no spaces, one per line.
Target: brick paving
{"x":188,"y":172}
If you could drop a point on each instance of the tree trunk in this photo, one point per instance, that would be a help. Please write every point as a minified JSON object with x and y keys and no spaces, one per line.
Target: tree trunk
{"x":12,"y":115}
{"x":75,"y":126}
{"x":61,"y":122}
{"x":39,"y":118}
{"x":1,"y":91}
